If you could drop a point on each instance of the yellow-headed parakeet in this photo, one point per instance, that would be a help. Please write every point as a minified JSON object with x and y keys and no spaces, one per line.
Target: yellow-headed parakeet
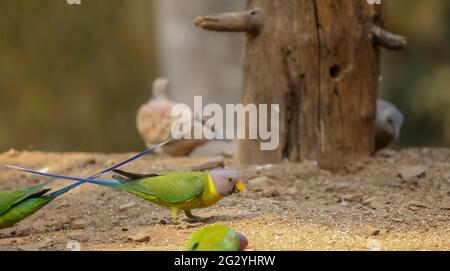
{"x":174,"y":190}
{"x":216,"y":238}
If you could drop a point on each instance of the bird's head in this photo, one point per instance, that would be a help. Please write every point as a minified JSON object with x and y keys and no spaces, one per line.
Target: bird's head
{"x":388,"y":119}
{"x":160,"y":88}
{"x":227,"y":182}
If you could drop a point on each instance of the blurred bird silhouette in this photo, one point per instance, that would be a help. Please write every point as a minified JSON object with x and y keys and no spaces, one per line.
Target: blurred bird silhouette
{"x":388,"y":123}
{"x":154,"y":122}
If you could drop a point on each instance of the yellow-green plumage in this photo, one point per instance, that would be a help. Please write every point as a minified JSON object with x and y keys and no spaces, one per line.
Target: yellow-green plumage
{"x":176,"y":191}
{"x":214,"y":238}
{"x":22,"y":210}
{"x":19,"y":204}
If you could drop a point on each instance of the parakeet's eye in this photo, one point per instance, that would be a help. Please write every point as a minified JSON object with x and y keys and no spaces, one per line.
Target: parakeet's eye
{"x":230,"y":179}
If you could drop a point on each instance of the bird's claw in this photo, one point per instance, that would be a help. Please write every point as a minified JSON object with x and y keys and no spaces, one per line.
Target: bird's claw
{"x":191,"y":220}
{"x":195,"y":219}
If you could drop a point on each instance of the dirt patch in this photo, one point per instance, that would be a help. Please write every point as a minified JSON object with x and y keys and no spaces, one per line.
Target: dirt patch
{"x":394,"y":201}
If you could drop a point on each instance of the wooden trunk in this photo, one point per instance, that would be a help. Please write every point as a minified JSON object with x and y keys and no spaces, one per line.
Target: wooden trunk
{"x":315,"y":59}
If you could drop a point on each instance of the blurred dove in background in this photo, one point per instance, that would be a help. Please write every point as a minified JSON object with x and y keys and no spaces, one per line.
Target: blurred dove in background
{"x":388,"y":123}
{"x":154,"y":121}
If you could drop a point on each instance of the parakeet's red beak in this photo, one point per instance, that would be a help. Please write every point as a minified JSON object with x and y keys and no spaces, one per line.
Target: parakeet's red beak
{"x":243,"y":241}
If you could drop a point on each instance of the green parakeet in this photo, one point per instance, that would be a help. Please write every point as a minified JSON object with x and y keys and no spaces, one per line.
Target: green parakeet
{"x":174,"y":190}
{"x":16,"y":205}
{"x":216,"y":238}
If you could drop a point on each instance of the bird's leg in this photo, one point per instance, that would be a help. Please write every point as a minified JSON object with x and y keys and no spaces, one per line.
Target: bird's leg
{"x":174,"y":214}
{"x":193,"y":217}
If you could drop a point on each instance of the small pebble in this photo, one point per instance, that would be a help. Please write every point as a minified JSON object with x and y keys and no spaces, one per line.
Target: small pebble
{"x":398,"y":219}
{"x":415,"y":203}
{"x":139,"y":238}
{"x":259,"y":184}
{"x":292,"y":191}
{"x":79,"y":224}
{"x":375,"y":202}
{"x":339,"y":187}
{"x":127,"y":206}
{"x":410,"y":172}
{"x":370,"y":231}
{"x":358,"y":198}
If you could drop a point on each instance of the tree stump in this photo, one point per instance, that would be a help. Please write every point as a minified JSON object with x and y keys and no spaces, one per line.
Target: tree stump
{"x":319,"y":61}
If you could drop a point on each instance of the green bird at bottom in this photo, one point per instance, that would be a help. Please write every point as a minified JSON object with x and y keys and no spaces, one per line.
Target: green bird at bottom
{"x":16,"y":205}
{"x":173,"y":190}
{"x":216,"y":238}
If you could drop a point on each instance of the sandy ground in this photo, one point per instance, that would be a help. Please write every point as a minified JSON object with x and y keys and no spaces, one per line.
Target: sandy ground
{"x":394,"y":201}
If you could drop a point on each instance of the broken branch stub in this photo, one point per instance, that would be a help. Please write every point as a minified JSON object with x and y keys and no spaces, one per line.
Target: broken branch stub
{"x":246,"y":21}
{"x":386,"y":39}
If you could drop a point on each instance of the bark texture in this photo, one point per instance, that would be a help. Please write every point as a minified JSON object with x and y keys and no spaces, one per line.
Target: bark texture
{"x":317,"y":60}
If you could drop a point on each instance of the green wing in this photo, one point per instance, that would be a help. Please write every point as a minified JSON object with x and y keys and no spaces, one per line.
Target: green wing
{"x":172,"y":187}
{"x":22,"y":210}
{"x":10,"y":198}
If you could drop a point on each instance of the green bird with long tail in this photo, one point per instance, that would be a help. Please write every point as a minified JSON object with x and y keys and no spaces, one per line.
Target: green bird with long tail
{"x":174,"y":190}
{"x":216,"y":238}
{"x":17,"y":205}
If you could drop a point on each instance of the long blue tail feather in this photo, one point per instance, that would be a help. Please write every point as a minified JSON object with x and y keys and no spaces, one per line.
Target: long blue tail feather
{"x":63,"y":190}
{"x":147,"y":151}
{"x":51,"y":175}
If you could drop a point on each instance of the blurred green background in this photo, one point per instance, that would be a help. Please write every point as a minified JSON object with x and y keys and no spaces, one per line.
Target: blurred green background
{"x":417,"y":80}
{"x":72,"y":77}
